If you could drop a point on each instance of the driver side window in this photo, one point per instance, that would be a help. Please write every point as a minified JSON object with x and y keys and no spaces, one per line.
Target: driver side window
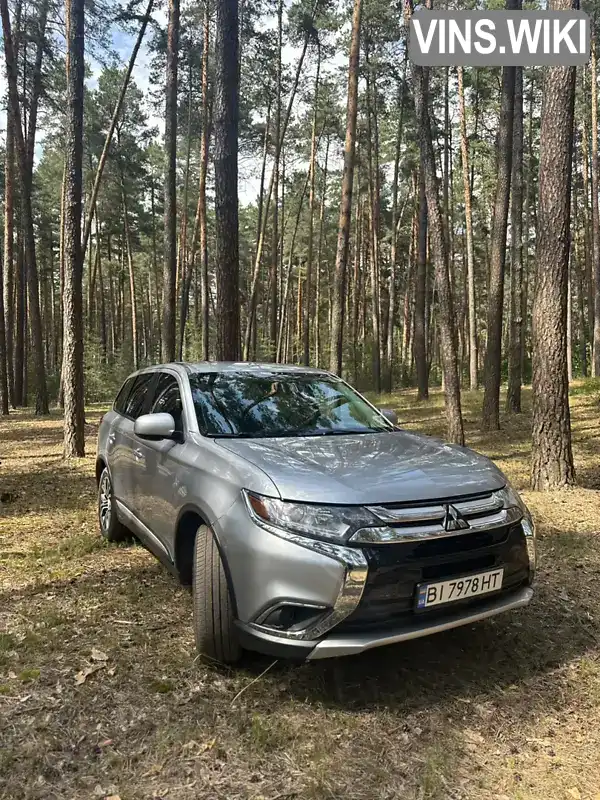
{"x":167,"y":399}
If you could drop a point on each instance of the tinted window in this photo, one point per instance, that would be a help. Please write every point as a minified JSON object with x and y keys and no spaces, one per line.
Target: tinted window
{"x":280,"y":404}
{"x":167,"y":399}
{"x":121,"y":400}
{"x":135,"y":402}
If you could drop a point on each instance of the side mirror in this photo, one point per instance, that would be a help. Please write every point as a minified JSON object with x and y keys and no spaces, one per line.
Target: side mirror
{"x":390,"y":415}
{"x":154,"y":426}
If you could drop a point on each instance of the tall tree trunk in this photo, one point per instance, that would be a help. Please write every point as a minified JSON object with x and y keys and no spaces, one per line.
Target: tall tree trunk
{"x":113,"y":125}
{"x":587,"y":324}
{"x":513,"y":397}
{"x":30,"y":124}
{"x":4,"y":400}
{"x":73,"y":295}
{"x":374,"y":197}
{"x":29,"y":236}
{"x":288,"y":279}
{"x":48,"y":314}
{"x":8,"y":281}
{"x":135,"y":350}
{"x":226,"y":123}
{"x":570,"y":321}
{"x":113,"y":308}
{"x":311,"y":220}
{"x":355,"y":285}
{"x":252,"y":289}
{"x":170,"y":236}
{"x":420,"y":335}
{"x":36,"y":86}
{"x":590,"y":276}
{"x":341,"y":258}
{"x":61,"y":278}
{"x":529,"y":210}
{"x":440,"y":258}
{"x":282,"y":229}
{"x":91,"y":293}
{"x":182,"y":260}
{"x":476,"y":117}
{"x":394,"y":243}
{"x":473,"y":379}
{"x":200,"y":222}
{"x":204,"y":144}
{"x":103,"y":329}
{"x":581,"y":278}
{"x":155,"y":268}
{"x":493,"y":354}
{"x":447,"y":160}
{"x":20,"y":321}
{"x":320,"y":255}
{"x":273,"y":267}
{"x":409,"y":299}
{"x":595,"y":210}
{"x":552,"y":457}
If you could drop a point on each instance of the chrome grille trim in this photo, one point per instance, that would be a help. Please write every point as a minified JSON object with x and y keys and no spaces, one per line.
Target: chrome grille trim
{"x":479,"y":505}
{"x":419,"y":523}
{"x":404,"y":516}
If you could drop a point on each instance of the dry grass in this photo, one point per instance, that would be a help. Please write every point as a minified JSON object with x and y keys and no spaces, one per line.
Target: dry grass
{"x":506,"y":709}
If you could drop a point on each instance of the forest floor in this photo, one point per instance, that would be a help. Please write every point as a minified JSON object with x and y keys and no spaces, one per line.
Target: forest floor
{"x":101,"y":692}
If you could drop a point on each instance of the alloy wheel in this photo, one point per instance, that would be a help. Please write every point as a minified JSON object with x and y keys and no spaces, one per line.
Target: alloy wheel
{"x":105,"y":502}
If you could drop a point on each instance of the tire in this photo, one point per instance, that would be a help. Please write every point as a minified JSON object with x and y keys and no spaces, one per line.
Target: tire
{"x":213,"y":608}
{"x":110,"y":527}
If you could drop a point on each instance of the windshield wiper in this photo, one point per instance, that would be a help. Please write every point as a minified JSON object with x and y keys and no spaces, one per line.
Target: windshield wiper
{"x":255,"y":435}
{"x":346,"y":433}
{"x":290,"y":434}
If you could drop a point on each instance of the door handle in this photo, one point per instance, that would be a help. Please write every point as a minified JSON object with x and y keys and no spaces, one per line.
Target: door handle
{"x":138,"y":454}
{"x":111,"y":438}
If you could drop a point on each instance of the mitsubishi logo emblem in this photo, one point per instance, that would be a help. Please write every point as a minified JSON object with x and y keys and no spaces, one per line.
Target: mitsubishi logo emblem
{"x":453,"y":520}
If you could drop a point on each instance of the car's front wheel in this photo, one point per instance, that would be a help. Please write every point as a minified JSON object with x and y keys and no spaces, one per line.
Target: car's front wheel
{"x":213,"y":608}
{"x":110,"y":527}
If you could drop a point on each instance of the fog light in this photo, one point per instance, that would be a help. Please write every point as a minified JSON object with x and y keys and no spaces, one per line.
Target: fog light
{"x":530,"y":541}
{"x":291,"y":617}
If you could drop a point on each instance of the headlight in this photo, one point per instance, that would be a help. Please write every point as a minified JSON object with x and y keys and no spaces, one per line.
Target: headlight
{"x":334,"y":523}
{"x":511,"y":499}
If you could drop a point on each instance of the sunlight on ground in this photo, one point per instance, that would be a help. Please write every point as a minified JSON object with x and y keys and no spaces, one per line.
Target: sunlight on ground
{"x":100,"y":692}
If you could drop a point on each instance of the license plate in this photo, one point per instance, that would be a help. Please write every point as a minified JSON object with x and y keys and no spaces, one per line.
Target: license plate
{"x":435,"y":594}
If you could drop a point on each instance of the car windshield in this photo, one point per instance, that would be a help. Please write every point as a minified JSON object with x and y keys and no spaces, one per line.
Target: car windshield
{"x":280,"y":404}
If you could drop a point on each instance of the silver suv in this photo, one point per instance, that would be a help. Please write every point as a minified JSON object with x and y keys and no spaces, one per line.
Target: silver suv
{"x":308,"y":524}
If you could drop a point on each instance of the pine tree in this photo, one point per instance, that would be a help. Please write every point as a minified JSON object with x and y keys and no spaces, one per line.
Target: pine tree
{"x":226,"y":124}
{"x":73,"y":275}
{"x":552,"y":457}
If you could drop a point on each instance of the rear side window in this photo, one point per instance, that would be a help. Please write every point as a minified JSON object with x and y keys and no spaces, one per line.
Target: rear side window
{"x":121,"y":401}
{"x":137,"y":397}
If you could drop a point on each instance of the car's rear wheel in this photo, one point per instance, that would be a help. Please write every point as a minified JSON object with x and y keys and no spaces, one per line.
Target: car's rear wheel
{"x":213,"y":608}
{"x":110,"y":527}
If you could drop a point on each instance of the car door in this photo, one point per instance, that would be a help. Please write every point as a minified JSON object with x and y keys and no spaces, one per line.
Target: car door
{"x":116,"y":451}
{"x":158,"y":473}
{"x":124,"y":460}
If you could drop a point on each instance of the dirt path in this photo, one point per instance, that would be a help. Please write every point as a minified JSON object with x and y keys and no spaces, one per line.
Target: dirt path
{"x":100,"y":692}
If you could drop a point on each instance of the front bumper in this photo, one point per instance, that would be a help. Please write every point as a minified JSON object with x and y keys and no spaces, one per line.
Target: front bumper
{"x":353,"y":643}
{"x":336,"y":645}
{"x":352,"y":599}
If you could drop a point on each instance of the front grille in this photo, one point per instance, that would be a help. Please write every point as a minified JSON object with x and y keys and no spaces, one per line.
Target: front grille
{"x":395,"y":569}
{"x":427,"y":520}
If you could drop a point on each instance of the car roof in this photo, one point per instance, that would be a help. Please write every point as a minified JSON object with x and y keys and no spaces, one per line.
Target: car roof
{"x":237,"y":367}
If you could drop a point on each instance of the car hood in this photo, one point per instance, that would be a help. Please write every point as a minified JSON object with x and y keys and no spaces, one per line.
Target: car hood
{"x":370,"y":468}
